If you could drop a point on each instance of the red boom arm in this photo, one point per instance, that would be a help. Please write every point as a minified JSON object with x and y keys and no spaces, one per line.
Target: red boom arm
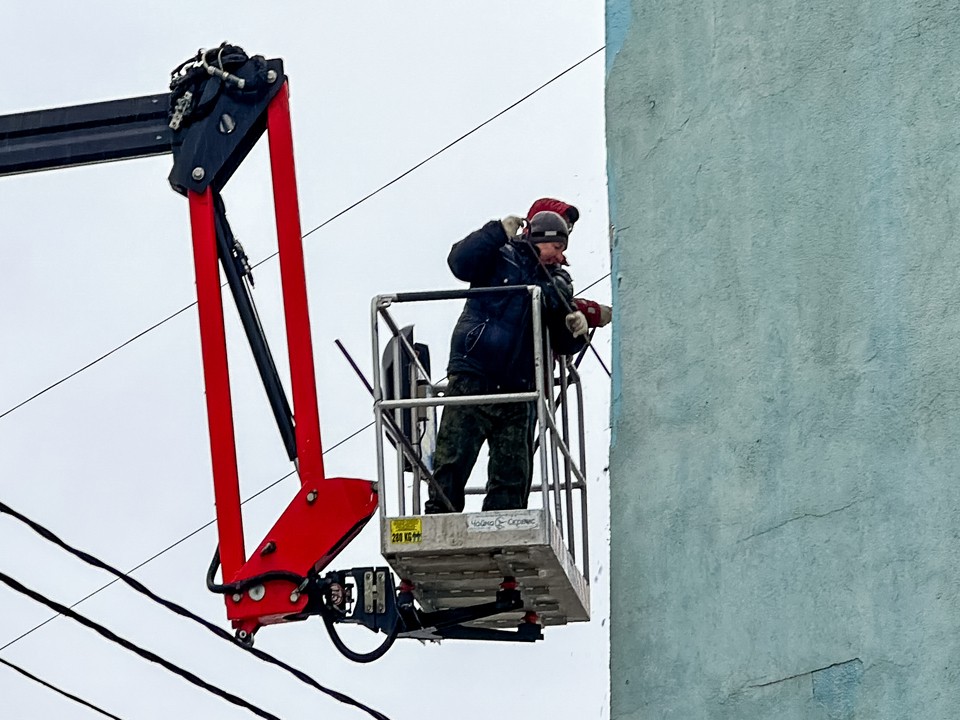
{"x":327,"y":512}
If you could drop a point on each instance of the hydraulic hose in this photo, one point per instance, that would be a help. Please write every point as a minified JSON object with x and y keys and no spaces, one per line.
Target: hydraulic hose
{"x":239,"y":587}
{"x":350,"y":654}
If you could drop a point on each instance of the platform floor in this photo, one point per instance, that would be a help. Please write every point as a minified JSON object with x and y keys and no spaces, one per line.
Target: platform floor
{"x":460,"y":559}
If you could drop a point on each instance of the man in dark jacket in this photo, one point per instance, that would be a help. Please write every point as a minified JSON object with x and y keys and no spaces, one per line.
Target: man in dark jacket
{"x":491,"y":351}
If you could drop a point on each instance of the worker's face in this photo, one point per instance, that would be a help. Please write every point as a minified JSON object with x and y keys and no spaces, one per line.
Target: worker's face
{"x":551,"y":253}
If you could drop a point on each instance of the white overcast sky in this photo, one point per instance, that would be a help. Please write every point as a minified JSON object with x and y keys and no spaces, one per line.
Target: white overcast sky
{"x":116,"y":460}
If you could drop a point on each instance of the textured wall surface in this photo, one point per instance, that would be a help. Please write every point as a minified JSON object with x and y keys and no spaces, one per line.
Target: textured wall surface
{"x":785,"y":466}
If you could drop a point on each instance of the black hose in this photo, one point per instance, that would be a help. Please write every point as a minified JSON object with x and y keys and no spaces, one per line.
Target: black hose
{"x":350,"y":654}
{"x":239,"y":587}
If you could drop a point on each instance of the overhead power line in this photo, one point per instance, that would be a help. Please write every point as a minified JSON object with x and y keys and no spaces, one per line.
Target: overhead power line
{"x":139,"y":587}
{"x":595,"y":282}
{"x":172,"y":545}
{"x":134,"y":648}
{"x":76,"y":699}
{"x":90,"y":364}
{"x":451,"y":144}
{"x":342,"y":212}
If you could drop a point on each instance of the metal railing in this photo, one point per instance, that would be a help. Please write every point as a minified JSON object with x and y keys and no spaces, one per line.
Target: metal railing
{"x":559,"y":445}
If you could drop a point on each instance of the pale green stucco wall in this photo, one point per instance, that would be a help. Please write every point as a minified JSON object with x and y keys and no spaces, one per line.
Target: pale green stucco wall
{"x":785,"y":469}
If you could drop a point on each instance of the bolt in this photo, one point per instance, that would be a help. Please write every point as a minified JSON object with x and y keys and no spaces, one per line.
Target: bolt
{"x":257,"y":593}
{"x":271,"y":76}
{"x":198,"y":174}
{"x":268,"y":548}
{"x":312,"y":497}
{"x":294,"y":596}
{"x":227,"y":124}
{"x":237,"y":597}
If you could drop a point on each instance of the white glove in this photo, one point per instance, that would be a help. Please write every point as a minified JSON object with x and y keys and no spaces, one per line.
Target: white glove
{"x":577,"y":323}
{"x":511,"y":225}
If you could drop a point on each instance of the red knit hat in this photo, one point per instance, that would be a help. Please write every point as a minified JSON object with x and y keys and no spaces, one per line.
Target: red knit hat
{"x":568,"y":211}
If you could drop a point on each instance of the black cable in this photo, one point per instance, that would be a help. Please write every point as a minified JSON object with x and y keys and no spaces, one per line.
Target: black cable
{"x":451,"y":144}
{"x":136,"y":649}
{"x":104,"y":587}
{"x":76,"y":699}
{"x":173,"y":545}
{"x":139,"y":587}
{"x":324,"y":223}
{"x":94,"y":362}
{"x":239,"y":587}
{"x":358,"y":657}
{"x":598,"y":280}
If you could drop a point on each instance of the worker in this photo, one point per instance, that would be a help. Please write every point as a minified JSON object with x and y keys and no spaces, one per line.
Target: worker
{"x":491,"y":351}
{"x":597,"y":315}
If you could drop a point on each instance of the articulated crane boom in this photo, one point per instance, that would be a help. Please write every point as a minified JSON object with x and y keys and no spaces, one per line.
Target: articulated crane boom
{"x":221,"y":102}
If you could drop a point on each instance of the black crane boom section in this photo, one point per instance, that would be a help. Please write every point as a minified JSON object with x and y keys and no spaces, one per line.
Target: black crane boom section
{"x":140,"y":127}
{"x":85,"y":134}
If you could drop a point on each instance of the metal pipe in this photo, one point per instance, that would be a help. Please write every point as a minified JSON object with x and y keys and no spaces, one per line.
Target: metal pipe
{"x":460,"y":400}
{"x":418,"y":443}
{"x":568,"y":491}
{"x":398,"y":422}
{"x":583,"y":469}
{"x":377,"y":391}
{"x":456,"y":294}
{"x":541,"y":407}
{"x":577,"y":485}
{"x":562,"y":447}
{"x":354,"y":365}
{"x":554,"y":437}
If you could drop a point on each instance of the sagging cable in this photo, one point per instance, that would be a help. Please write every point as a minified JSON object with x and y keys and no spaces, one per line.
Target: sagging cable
{"x":69,"y":696}
{"x":136,"y":649}
{"x":184,"y":612}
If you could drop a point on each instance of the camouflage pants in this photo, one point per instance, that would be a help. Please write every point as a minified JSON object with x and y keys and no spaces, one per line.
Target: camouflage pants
{"x":508,"y":431}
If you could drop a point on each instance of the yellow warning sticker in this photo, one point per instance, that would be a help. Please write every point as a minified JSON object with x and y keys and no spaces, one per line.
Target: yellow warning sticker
{"x":406,"y":530}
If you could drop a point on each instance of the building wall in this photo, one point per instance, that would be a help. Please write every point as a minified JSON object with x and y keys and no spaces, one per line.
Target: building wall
{"x":785,"y":467}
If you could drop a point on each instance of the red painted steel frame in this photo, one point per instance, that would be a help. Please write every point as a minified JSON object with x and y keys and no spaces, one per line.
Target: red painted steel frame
{"x":293,"y":279}
{"x":213,"y":344}
{"x":327,"y":512}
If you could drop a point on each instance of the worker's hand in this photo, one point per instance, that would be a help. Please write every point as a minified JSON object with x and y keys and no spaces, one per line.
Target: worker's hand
{"x":597,"y":315}
{"x":577,"y":323}
{"x":511,"y":225}
{"x":606,"y":315}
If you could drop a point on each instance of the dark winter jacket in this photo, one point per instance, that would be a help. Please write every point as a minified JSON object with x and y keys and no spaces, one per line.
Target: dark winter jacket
{"x":494,"y":336}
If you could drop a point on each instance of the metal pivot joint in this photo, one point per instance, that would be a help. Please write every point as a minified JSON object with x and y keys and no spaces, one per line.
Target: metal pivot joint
{"x":217,"y":115}
{"x":368,"y":597}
